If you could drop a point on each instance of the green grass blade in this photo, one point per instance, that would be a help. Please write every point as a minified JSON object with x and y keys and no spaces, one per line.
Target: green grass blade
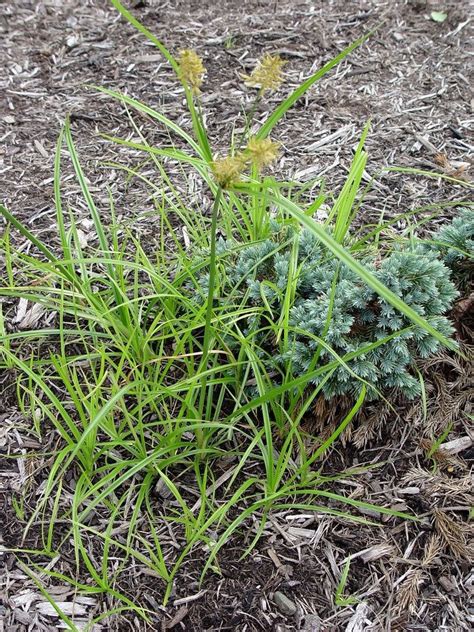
{"x":148,"y":34}
{"x":283,"y":108}
{"x":26,"y":233}
{"x":58,"y":203}
{"x":342,"y":209}
{"x":164,"y":120}
{"x":199,"y":129}
{"x":85,"y":189}
{"x":61,"y":615}
{"x":430,"y":174}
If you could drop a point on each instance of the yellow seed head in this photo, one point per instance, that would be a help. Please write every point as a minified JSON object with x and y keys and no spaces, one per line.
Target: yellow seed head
{"x":227,"y":171}
{"x":262,"y":151}
{"x":191,"y":69}
{"x":268,"y":74}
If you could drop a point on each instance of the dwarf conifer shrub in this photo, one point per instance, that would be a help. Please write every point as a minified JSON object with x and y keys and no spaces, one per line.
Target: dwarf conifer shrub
{"x":334,"y":311}
{"x":455,"y":241}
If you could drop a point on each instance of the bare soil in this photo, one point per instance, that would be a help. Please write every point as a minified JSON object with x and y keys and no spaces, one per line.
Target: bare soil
{"x":412,"y":80}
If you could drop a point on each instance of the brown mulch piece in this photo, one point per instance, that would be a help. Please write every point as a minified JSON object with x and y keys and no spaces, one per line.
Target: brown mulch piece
{"x":412,"y":80}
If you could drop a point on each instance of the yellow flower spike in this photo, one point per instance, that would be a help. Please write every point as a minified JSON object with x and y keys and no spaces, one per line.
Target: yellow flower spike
{"x":262,"y":151}
{"x":227,"y":171}
{"x":267,"y":75}
{"x":191,"y":69}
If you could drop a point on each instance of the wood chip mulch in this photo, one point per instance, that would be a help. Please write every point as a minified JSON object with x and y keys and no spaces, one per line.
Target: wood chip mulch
{"x":412,"y":80}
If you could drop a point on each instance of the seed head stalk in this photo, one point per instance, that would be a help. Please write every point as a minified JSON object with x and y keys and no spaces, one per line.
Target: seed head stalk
{"x":250,"y":118}
{"x":208,"y":329}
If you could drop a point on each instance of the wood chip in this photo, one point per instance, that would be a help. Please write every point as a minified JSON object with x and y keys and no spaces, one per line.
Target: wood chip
{"x":456,"y":445}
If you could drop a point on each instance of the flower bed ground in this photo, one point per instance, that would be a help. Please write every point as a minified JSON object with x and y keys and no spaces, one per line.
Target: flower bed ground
{"x":410,"y":79}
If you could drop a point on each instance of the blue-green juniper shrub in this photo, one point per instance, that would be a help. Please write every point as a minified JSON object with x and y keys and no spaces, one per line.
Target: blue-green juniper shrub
{"x":455,"y":241}
{"x":331,"y":302}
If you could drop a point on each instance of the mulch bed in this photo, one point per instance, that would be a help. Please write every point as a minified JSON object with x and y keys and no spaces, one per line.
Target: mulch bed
{"x":412,"y":80}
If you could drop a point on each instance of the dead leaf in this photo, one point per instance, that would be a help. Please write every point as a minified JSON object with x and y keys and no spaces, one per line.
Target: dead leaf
{"x":28,"y":317}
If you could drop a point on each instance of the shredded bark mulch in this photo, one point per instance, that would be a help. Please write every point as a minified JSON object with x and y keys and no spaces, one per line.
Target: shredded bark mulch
{"x":411,"y":79}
